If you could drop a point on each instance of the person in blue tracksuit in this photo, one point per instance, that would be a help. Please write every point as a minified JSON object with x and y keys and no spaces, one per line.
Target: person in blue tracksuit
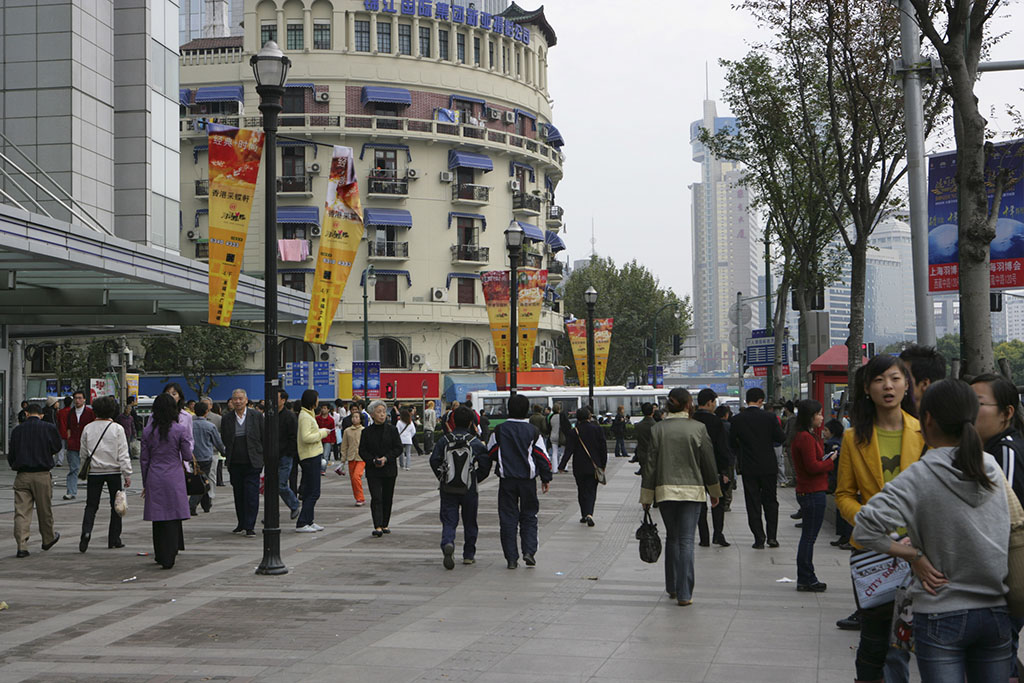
{"x":517,"y":448}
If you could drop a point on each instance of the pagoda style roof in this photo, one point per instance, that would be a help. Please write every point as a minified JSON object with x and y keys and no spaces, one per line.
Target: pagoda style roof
{"x":536,"y":17}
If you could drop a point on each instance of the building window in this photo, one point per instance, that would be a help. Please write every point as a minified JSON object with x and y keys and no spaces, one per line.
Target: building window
{"x":476,"y":51}
{"x":42,"y":360}
{"x":464,"y":355}
{"x":293,"y":169}
{"x":467,"y":290}
{"x":293,"y":231}
{"x":386,"y":289}
{"x":519,"y":66}
{"x":466,"y":232}
{"x":424,"y":41}
{"x":405,"y":39}
{"x":268,"y":32}
{"x":392,"y":354}
{"x":460,"y":41}
{"x":504,"y":59}
{"x":442,"y":44}
{"x":384,"y":37}
{"x":490,"y":53}
{"x":293,"y":102}
{"x":295,"y":351}
{"x":293,"y":37}
{"x":321,"y":36}
{"x":362,"y":36}
{"x":296,"y":281}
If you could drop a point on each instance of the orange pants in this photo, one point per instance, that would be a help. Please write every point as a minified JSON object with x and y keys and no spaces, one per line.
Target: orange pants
{"x":355,"y":473}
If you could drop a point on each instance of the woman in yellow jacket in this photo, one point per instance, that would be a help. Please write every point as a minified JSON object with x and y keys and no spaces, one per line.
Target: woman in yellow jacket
{"x":884,"y":440}
{"x":311,"y":449}
{"x":350,"y":456}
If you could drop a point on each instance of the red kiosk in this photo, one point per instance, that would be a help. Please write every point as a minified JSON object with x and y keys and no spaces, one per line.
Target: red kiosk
{"x":829,"y":368}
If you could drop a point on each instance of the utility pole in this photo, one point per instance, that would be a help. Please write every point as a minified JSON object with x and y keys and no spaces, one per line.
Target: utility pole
{"x":770,"y":379}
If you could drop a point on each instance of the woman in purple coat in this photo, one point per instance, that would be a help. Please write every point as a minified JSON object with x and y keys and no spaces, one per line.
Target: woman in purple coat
{"x":166,"y":446}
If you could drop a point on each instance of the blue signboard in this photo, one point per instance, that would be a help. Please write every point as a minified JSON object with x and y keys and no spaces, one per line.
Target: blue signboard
{"x":457,"y":14}
{"x":751,"y":382}
{"x":719,"y":387}
{"x":323,"y":373}
{"x":372,"y":389}
{"x":299,"y":374}
{"x":761,"y":349}
{"x":51,"y":387}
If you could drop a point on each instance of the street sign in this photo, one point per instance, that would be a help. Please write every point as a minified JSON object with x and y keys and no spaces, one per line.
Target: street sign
{"x":323,"y":373}
{"x":762,"y":370}
{"x":761,"y":349}
{"x":740,"y":315}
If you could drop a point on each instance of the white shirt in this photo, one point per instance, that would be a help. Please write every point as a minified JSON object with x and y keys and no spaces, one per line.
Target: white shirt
{"x":79,"y":411}
{"x":240,"y":419}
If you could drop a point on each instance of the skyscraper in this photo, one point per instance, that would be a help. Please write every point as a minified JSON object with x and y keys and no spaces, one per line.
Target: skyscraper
{"x":209,"y":19}
{"x":726,"y":247}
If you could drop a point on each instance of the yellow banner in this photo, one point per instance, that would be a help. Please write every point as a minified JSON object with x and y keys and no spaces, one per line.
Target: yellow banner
{"x":234,"y":165}
{"x":339,"y":241}
{"x":577,"y":330}
{"x":531,"y":298}
{"x":602,"y":346}
{"x":497,"y":293}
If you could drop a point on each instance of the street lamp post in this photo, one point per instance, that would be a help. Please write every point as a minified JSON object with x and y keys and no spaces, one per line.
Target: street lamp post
{"x":369,"y":280}
{"x":514,"y":241}
{"x":654,"y":335}
{"x":270,"y":67}
{"x":590,"y":298}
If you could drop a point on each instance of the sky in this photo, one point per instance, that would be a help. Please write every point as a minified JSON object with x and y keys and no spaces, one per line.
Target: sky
{"x":627,"y":79}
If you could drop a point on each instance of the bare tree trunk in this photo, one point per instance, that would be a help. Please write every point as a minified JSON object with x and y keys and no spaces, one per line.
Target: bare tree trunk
{"x":779,"y":325}
{"x":858,"y":276}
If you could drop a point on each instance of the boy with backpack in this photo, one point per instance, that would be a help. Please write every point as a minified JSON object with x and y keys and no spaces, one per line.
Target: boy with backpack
{"x":459,"y":460}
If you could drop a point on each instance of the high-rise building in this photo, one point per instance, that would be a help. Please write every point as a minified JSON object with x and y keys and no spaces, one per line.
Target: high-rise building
{"x":209,"y":19}
{"x":492,"y":6}
{"x":726,"y":247}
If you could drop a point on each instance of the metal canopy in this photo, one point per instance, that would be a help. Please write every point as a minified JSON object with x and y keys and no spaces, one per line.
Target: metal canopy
{"x":53,"y":273}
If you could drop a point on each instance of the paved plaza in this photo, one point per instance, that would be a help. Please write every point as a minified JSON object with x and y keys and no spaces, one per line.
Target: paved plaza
{"x":357,"y":608}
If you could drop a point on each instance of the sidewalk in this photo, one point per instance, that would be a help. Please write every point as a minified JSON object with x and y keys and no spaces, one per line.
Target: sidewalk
{"x":353,"y":607}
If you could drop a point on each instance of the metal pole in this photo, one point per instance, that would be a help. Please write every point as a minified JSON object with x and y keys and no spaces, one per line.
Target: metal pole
{"x":591,"y":370}
{"x":513,"y":260}
{"x":913,"y":110}
{"x":739,"y":348}
{"x":366,"y":341}
{"x":654,"y":341}
{"x":270,"y":107}
{"x":769,"y":322}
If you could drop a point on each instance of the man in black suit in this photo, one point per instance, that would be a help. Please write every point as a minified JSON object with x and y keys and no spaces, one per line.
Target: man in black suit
{"x":707,"y":401}
{"x":242,"y":433}
{"x":754,"y":435}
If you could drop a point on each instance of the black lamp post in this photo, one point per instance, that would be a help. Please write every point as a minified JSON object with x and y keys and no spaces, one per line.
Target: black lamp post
{"x":590,"y":298}
{"x":369,"y":280}
{"x":271,"y":69}
{"x":514,"y":236}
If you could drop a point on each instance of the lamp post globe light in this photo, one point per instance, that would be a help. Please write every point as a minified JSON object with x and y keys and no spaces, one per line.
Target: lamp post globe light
{"x":590,"y":298}
{"x":514,"y":237}
{"x":369,"y":280}
{"x":270,"y":66}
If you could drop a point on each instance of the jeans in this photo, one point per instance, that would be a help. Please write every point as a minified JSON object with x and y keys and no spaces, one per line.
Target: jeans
{"x":325,"y":457}
{"x":875,"y":658}
{"x":284,"y":471}
{"x":310,"y":490}
{"x":405,"y":459}
{"x":843,"y":528}
{"x":974,"y":643}
{"x":94,"y":491}
{"x":620,"y":447}
{"x":812,"y":507}
{"x":680,"y":517}
{"x":74,"y":461}
{"x":450,"y":505}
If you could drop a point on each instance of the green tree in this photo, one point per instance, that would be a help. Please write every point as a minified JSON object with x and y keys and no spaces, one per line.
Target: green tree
{"x":198,"y":353}
{"x":631,"y":295}
{"x":77,"y":364}
{"x":1013,"y":352}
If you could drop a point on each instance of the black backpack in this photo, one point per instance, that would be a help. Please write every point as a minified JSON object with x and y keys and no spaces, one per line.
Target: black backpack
{"x":457,"y":474}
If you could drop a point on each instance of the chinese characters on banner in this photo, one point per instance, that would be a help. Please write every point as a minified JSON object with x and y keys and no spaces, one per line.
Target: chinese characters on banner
{"x":577,"y":331}
{"x":497,"y":296}
{"x":339,"y":240}
{"x":234,"y":164}
{"x":602,"y":346}
{"x":457,"y":14}
{"x":1006,"y":250}
{"x":532,"y":284}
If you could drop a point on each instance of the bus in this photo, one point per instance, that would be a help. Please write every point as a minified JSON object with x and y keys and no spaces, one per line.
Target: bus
{"x":606,"y":400}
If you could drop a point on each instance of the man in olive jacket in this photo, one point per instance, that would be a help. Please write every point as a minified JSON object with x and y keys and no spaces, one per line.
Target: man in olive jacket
{"x":242,"y":434}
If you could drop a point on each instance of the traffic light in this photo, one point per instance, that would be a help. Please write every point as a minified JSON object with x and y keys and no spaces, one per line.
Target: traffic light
{"x":868,"y":349}
{"x":677,"y":344}
{"x":389,"y":390}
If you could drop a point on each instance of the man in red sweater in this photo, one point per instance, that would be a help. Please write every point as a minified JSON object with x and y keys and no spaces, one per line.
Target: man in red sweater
{"x":78,"y":415}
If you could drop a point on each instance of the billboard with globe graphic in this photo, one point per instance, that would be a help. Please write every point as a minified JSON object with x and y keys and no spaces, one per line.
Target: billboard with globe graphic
{"x":1007,"y":249}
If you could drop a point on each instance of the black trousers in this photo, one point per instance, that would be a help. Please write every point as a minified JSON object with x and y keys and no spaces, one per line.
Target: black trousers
{"x":586,"y":492}
{"x":168,"y":539}
{"x":759,"y":493}
{"x":220,"y":472}
{"x":517,"y":511}
{"x":245,"y":484}
{"x":717,"y":522}
{"x":382,"y":495}
{"x":94,"y":492}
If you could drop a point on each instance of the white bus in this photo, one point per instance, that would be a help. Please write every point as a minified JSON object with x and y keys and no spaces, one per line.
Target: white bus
{"x":606,"y":400}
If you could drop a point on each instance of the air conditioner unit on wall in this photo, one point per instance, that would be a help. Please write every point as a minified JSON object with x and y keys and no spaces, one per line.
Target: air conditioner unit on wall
{"x":192,"y":235}
{"x":314,"y":168}
{"x":513,"y":185}
{"x":411,"y":173}
{"x":323,"y":97}
{"x":494,"y":114}
{"x":314,"y":231}
{"x":492,"y":359}
{"x":416,"y":358}
{"x":510,"y":117}
{"x":253,"y":345}
{"x":438,"y":294}
{"x":447,"y":176}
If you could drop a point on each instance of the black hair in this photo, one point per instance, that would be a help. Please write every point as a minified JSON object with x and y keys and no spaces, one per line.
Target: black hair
{"x":705,"y":395}
{"x":309,"y":398}
{"x":201,"y":408}
{"x":353,"y":414}
{"x":1006,"y":395}
{"x":468,"y":403}
{"x":584,"y":414}
{"x":723,"y":411}
{"x":647,"y":409}
{"x":926,"y":362}
{"x":791,"y":407}
{"x":105,"y":407}
{"x":405,"y":416}
{"x":537,"y":408}
{"x":657,"y":415}
{"x":165,"y":413}
{"x":835,"y":428}
{"x":462,"y":417}
{"x":281,"y":393}
{"x":863,"y":411}
{"x":77,"y":393}
{"x":805,"y":412}
{"x":33,"y":409}
{"x":953,"y":407}
{"x":679,"y":400}
{"x":755,"y":394}
{"x":68,"y":400}
{"x":181,"y":394}
{"x":518,"y":407}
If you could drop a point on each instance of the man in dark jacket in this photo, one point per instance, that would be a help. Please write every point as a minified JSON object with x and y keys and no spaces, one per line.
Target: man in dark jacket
{"x":455,"y":496}
{"x":642,"y":433}
{"x":619,"y":432}
{"x":288,"y":447}
{"x":518,"y":449}
{"x":707,"y":400}
{"x":242,"y":434}
{"x":754,"y":434}
{"x":32,"y":447}
{"x":724,"y":413}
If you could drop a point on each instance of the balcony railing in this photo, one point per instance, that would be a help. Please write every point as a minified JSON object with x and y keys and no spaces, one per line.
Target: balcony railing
{"x":398,"y":250}
{"x":470,"y":253}
{"x":527,"y":203}
{"x":468,"y":192}
{"x":533,"y":260}
{"x":385,"y":181}
{"x":555,"y":267}
{"x":555,"y":214}
{"x":202,"y":249}
{"x":197,"y":124}
{"x":203,"y":188}
{"x":297,"y":121}
{"x":296,"y":184}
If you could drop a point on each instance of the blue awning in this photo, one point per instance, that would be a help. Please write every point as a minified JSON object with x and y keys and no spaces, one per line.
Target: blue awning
{"x":468,"y":276}
{"x":532,"y":232}
{"x":457,"y":386}
{"x":513,"y":165}
{"x":382,"y":271}
{"x":394,"y":217}
{"x":184,"y":96}
{"x":458,"y":159}
{"x":464,"y":98}
{"x":554,"y":137}
{"x":552,"y":292}
{"x":463,"y":214}
{"x":298,"y":143}
{"x":549,"y":184}
{"x":219,"y":93}
{"x":382,"y":145}
{"x":526,"y":114}
{"x":200,"y":212}
{"x":196,"y":150}
{"x":299,"y":85}
{"x":383,"y":95}
{"x":304,"y":215}
{"x":554,"y":241}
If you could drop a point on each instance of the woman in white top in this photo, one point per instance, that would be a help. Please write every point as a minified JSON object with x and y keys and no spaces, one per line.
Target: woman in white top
{"x":107,"y":444}
{"x":406,"y":430}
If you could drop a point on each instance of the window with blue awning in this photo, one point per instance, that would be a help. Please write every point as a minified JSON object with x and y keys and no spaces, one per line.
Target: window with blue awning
{"x":184,"y":96}
{"x":457,"y":159}
{"x":381,"y":145}
{"x":513,"y":165}
{"x":528,"y":115}
{"x":383,"y":271}
{"x":468,"y":276}
{"x":462,"y":214}
{"x":298,"y":143}
{"x":219,"y":93}
{"x":299,"y":85}
{"x":201,"y":212}
{"x":196,"y":150}
{"x":299,"y":215}
{"x":553,"y":241}
{"x":379,"y":94}
{"x":554,"y":137}
{"x":399,"y":218}
{"x":531,"y":231}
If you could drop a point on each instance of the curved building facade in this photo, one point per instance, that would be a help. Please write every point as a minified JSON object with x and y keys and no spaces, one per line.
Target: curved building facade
{"x":447,"y":110}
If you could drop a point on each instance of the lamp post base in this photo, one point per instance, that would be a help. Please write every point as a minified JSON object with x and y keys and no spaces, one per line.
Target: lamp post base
{"x":271,"y":564}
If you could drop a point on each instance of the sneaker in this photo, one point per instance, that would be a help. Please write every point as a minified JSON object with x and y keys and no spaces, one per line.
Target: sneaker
{"x":449,"y":553}
{"x":360,"y":503}
{"x":816,"y":587}
{"x":316,"y":527}
{"x":237,"y":530}
{"x":468,"y":560}
{"x":250,"y":533}
{"x":67,"y":497}
{"x":850,"y":623}
{"x":294,"y":513}
{"x":308,"y":529}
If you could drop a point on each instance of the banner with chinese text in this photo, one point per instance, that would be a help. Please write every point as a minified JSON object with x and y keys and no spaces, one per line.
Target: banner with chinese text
{"x":339,"y":240}
{"x":234,"y":165}
{"x":602,"y":346}
{"x":497,"y":296}
{"x":577,"y":331}
{"x":532,"y":284}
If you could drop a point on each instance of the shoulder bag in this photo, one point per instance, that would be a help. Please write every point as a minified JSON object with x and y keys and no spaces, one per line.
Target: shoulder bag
{"x":83,"y":470}
{"x":876,"y":577}
{"x":598,"y":471}
{"x":195,"y":482}
{"x":650,"y":541}
{"x":1015,"y":555}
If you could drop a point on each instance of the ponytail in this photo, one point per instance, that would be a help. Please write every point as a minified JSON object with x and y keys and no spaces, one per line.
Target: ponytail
{"x":969,"y":456}
{"x":953,"y":407}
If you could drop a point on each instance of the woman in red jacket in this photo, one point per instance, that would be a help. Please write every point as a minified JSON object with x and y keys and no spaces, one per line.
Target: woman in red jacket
{"x":811,"y":484}
{"x":325,"y":421}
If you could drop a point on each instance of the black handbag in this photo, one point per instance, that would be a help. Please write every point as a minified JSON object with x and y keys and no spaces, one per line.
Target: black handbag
{"x":650,"y":542}
{"x":195,"y":482}
{"x":86,"y":466}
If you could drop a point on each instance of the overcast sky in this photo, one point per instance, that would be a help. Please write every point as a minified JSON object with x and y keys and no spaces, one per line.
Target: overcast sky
{"x":627,"y":79}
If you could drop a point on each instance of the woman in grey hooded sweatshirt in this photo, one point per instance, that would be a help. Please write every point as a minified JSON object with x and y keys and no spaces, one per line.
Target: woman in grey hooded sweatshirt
{"x":954,"y":507}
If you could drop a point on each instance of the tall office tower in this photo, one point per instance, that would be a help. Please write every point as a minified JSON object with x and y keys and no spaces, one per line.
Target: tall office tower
{"x":895,"y":308}
{"x":726,"y":248}
{"x":210,"y":19}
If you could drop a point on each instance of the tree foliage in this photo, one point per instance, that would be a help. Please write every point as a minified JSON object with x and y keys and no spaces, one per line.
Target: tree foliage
{"x":198,"y":353}
{"x":631,"y":295}
{"x":77,"y":364}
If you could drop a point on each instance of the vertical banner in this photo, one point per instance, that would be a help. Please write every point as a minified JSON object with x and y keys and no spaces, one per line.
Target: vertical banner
{"x":339,"y":240}
{"x":532,"y":284}
{"x":577,"y":330}
{"x":131,"y":380}
{"x":497,"y":296}
{"x":234,"y":165}
{"x":602,"y":346}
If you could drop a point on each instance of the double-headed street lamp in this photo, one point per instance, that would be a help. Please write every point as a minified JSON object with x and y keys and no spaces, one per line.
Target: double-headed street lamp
{"x":590,"y":298}
{"x":369,"y":280}
{"x":514,"y":236}
{"x":270,"y":67}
